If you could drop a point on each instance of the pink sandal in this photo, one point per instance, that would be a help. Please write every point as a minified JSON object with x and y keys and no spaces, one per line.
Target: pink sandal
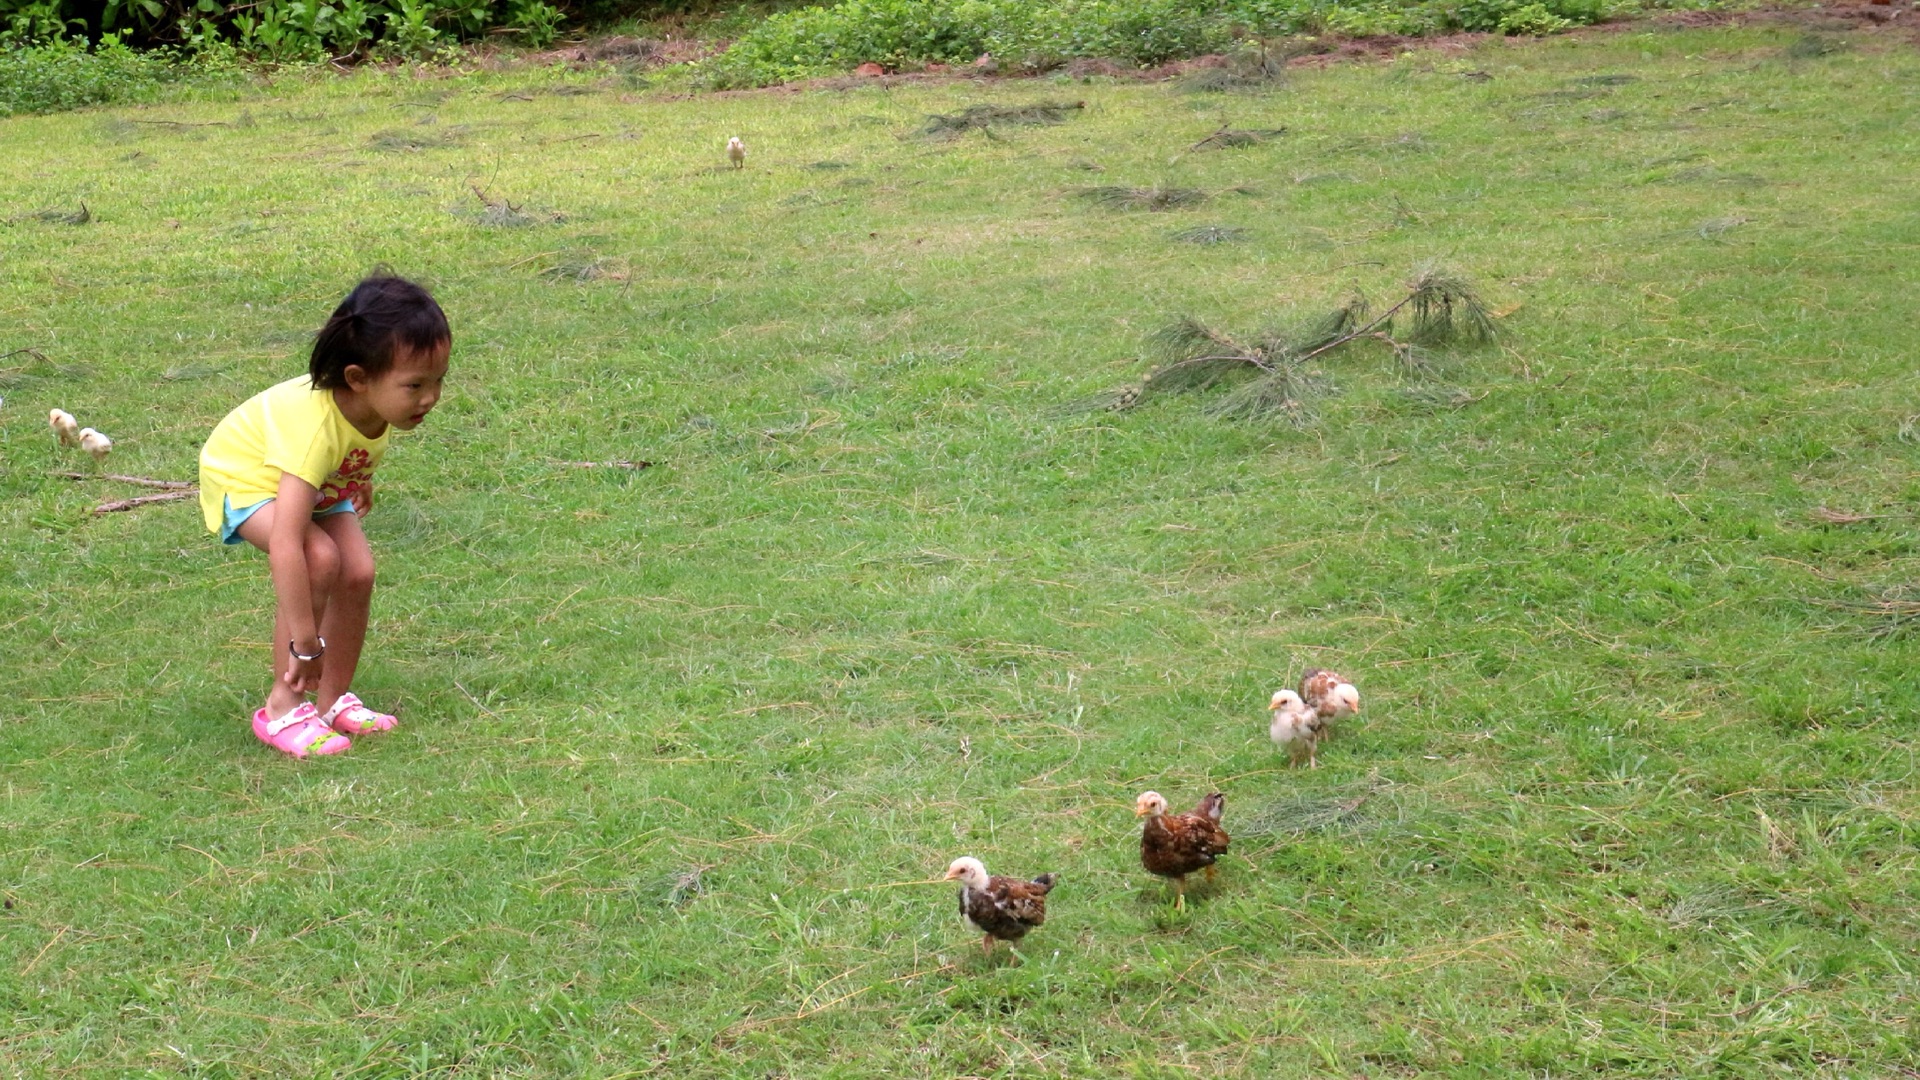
{"x":351,"y":716}
{"x":299,"y":733}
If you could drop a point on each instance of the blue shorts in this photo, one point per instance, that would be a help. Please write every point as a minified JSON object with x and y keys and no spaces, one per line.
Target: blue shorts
{"x":232,"y":519}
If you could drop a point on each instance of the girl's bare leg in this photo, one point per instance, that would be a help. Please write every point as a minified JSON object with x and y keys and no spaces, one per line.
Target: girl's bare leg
{"x":345,"y":625}
{"x":323,"y":569}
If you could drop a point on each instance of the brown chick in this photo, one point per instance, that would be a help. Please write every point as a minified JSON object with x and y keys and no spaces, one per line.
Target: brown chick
{"x":1328,"y":695}
{"x":1175,"y":845}
{"x":999,"y":908}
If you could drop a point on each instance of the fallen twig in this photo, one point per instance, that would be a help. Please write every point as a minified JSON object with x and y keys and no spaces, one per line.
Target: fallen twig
{"x":608,"y":464}
{"x":142,"y":500}
{"x":1841,"y":517}
{"x":143,"y":481}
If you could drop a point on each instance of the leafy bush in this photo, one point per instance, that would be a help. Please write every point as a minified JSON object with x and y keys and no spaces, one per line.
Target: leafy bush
{"x":288,"y":30}
{"x":1532,"y":19}
{"x":1021,"y":32}
{"x":65,"y":74}
{"x":1038,"y":34}
{"x":1527,"y":16}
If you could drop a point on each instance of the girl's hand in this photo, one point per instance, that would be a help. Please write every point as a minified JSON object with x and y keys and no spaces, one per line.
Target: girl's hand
{"x":303,"y":676}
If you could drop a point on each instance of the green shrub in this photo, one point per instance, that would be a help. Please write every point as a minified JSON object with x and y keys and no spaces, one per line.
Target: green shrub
{"x":1039,"y":34}
{"x":1023,"y":33}
{"x":288,"y":30}
{"x":1532,"y":19}
{"x":63,"y":73}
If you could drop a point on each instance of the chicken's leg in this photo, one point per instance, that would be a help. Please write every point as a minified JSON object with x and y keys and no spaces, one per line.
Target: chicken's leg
{"x":986,"y":943}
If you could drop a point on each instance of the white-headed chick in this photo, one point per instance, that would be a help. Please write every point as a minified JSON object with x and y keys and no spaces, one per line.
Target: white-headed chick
{"x":737,"y":152}
{"x":64,"y":425}
{"x":95,"y":443}
{"x":1295,"y":727}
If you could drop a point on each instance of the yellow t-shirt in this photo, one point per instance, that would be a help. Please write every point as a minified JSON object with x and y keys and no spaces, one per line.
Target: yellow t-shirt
{"x":288,"y":428}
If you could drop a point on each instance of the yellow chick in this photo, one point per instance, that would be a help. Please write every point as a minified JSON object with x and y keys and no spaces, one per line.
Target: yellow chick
{"x":95,"y":443}
{"x":64,"y":425}
{"x":737,"y":152}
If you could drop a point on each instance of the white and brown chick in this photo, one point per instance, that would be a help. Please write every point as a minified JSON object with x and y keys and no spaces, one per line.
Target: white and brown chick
{"x":64,"y":425}
{"x":1175,"y":845}
{"x":1329,"y":695}
{"x":999,"y":908}
{"x":1295,"y":727}
{"x":95,"y":443}
{"x":737,"y":152}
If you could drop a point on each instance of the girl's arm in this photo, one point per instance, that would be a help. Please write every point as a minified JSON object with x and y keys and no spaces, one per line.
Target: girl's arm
{"x":287,"y":560}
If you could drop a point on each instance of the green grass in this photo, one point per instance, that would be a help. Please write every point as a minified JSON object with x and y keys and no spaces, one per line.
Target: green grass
{"x":1631,"y":795}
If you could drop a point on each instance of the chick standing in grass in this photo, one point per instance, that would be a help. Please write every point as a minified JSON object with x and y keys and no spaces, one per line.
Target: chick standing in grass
{"x":737,"y":152}
{"x":999,"y":908}
{"x":1329,"y":695}
{"x":1295,"y":726}
{"x":65,"y":426}
{"x":1175,"y":845}
{"x":95,"y":443}
{"x":290,"y":471}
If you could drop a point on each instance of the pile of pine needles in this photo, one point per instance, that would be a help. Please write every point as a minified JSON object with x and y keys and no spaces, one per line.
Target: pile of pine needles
{"x":1311,"y":813}
{"x":1271,"y":375}
{"x":1892,"y":612}
{"x":585,"y":266}
{"x":1154,"y":199}
{"x":984,"y":118}
{"x":1211,"y":234}
{"x":1228,"y":138}
{"x":1253,"y":69}
{"x":502,"y":214}
{"x":53,"y":215}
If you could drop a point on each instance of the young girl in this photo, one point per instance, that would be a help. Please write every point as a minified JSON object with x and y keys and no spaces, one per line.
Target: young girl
{"x":291,"y":472}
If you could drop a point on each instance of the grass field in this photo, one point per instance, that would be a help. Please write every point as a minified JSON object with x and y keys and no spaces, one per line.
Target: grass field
{"x":1632,"y":794}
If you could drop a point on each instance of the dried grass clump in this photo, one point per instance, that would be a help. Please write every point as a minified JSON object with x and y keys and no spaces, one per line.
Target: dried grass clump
{"x":53,"y":215}
{"x":501,"y":214}
{"x":400,"y":141}
{"x":1228,"y":138}
{"x":984,"y":118}
{"x":584,"y":267}
{"x":1253,"y":69}
{"x":1891,"y":612}
{"x":1153,"y":199}
{"x":1270,"y":376}
{"x":1212,"y":234}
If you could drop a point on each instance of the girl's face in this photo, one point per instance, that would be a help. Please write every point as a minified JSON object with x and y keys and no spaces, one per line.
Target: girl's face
{"x":405,"y":393}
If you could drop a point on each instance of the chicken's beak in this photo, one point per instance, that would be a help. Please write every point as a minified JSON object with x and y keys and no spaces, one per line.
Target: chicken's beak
{"x":1139,"y":811}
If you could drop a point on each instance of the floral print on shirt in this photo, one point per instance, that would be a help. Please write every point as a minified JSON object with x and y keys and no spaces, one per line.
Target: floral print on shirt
{"x":352,"y":483}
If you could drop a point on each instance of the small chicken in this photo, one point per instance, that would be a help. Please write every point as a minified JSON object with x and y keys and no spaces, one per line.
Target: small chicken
{"x":64,"y":425}
{"x":1176,"y":845}
{"x":737,"y":152}
{"x":999,"y":908}
{"x":1295,"y":727}
{"x":1329,"y":695}
{"x":95,"y":443}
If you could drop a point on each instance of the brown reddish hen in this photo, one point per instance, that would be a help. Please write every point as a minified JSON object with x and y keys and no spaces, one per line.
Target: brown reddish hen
{"x":999,"y":908}
{"x":1175,"y":845}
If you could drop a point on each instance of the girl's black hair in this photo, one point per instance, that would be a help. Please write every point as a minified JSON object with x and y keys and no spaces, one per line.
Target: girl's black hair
{"x":382,"y":315}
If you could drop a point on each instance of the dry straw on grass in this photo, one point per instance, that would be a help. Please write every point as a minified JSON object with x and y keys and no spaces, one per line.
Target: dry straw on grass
{"x":1270,"y":374}
{"x":1153,"y":199}
{"x":984,"y":118}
